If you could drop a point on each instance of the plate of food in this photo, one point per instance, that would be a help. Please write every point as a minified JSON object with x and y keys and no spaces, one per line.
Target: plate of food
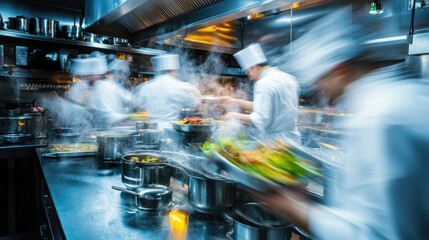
{"x":72,"y":150}
{"x":195,"y":125}
{"x":259,"y":166}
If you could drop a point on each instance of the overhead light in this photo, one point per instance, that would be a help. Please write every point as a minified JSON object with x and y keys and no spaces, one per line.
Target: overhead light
{"x":376,"y":7}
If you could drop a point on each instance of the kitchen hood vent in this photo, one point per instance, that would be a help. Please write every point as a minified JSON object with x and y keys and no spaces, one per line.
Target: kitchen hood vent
{"x":146,"y":22}
{"x":125,"y":18}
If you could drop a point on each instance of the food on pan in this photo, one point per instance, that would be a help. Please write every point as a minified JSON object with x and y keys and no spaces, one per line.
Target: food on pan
{"x":275,"y":163}
{"x":196,"y":121}
{"x":145,"y":159}
{"x":75,"y":147}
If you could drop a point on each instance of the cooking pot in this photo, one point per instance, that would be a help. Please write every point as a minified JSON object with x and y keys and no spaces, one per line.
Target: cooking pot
{"x":251,"y":221}
{"x":39,"y":124}
{"x":18,"y":23}
{"x":15,"y":137}
{"x":120,"y":41}
{"x":208,"y":195}
{"x":146,"y":125}
{"x":111,"y":146}
{"x":151,"y":197}
{"x":72,"y":32}
{"x":48,"y":27}
{"x":150,"y":137}
{"x":208,"y":191}
{"x":15,"y":124}
{"x":34,"y":26}
{"x":138,"y":174}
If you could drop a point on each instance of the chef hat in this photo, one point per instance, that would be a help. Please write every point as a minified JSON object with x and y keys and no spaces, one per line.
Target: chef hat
{"x":88,"y":66}
{"x":118,"y":65}
{"x":250,"y":56}
{"x":165,"y":62}
{"x":331,"y":40}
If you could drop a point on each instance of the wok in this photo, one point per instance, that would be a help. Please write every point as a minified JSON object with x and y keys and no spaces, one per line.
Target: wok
{"x":194,"y":128}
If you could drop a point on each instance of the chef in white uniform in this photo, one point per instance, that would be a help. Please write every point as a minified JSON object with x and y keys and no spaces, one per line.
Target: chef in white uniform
{"x":275,"y":98}
{"x":118,"y":76}
{"x":384,"y":191}
{"x":164,"y":96}
{"x":103,"y":98}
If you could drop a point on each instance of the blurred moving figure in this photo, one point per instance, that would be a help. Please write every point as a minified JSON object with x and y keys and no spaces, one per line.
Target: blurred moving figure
{"x":383,"y":187}
{"x":275,"y":99}
{"x":164,"y":96}
{"x":118,"y":75}
{"x":101,"y":97}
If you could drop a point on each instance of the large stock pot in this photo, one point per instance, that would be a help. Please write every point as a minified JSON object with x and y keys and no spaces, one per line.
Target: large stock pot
{"x":15,"y":124}
{"x":111,"y":146}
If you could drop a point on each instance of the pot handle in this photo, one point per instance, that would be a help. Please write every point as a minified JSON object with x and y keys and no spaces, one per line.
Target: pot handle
{"x":300,"y":231}
{"x":125,"y":190}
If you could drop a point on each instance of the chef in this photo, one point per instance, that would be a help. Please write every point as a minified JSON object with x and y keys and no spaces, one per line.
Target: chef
{"x":164,"y":96}
{"x":98,"y":95}
{"x":383,"y":191}
{"x":275,"y":98}
{"x":118,"y":75}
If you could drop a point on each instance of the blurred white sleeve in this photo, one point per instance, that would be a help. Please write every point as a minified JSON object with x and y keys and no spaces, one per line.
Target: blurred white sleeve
{"x":262,"y":109}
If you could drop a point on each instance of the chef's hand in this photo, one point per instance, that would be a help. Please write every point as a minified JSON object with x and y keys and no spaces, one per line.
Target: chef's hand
{"x":231,"y":115}
{"x":226,"y":100}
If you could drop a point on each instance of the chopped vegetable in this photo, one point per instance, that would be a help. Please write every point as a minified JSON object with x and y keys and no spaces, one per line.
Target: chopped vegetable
{"x":274,"y":163}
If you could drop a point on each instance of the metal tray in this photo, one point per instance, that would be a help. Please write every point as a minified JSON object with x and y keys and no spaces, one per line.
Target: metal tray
{"x":194,"y":128}
{"x":69,"y":154}
{"x":312,"y":186}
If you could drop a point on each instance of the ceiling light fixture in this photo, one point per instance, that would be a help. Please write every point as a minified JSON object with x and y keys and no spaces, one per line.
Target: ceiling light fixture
{"x":376,"y":7}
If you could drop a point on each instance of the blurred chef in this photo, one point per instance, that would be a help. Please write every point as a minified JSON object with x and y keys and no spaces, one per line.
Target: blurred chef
{"x":383,"y":186}
{"x":100,"y":96}
{"x":164,"y":96}
{"x":118,"y":75}
{"x":275,"y":97}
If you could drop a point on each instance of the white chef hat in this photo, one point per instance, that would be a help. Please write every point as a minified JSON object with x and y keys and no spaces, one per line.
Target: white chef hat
{"x":118,"y":65}
{"x":165,"y":62}
{"x":330,"y":40}
{"x":250,"y":56}
{"x":88,"y":66}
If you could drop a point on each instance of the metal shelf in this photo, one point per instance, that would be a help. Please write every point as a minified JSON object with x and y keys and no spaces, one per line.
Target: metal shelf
{"x":24,"y":37}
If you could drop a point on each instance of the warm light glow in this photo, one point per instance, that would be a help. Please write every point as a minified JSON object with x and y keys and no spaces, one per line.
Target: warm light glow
{"x":296,"y":5}
{"x":178,"y":224}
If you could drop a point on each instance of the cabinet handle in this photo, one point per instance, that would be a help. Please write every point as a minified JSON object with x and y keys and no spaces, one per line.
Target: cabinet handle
{"x":43,"y":230}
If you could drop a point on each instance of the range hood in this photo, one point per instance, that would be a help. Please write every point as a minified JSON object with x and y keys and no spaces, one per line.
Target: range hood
{"x":214,"y":23}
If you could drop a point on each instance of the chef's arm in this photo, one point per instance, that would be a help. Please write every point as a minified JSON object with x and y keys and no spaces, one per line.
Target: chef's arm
{"x":242,"y":104}
{"x":244,"y":118}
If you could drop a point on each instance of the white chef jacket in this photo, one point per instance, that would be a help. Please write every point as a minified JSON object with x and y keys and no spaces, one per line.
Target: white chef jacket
{"x":385,"y":185}
{"x":105,"y":97}
{"x":164,"y":96}
{"x":275,"y":105}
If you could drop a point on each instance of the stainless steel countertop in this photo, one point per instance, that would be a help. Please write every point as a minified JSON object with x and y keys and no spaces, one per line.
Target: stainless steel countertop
{"x":88,"y":207}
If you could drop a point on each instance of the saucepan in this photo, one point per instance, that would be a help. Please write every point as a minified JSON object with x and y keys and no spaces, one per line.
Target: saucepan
{"x":19,"y":23}
{"x":138,"y":171}
{"x":111,"y":146}
{"x":151,"y":197}
{"x":208,"y":191}
{"x":252,"y":221}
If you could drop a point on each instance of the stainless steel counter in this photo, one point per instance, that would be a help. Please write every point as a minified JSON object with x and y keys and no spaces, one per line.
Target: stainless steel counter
{"x":88,"y":207}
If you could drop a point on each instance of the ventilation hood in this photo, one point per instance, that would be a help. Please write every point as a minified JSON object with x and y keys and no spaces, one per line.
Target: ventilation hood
{"x":214,"y":23}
